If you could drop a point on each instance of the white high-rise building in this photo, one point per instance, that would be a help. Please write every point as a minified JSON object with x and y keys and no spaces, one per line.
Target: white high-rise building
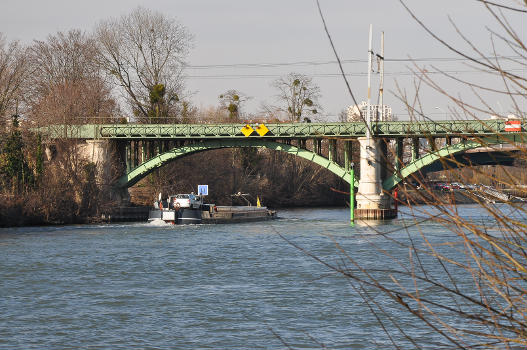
{"x":377,"y":114}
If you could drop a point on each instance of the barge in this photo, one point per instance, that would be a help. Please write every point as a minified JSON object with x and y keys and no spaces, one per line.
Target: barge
{"x":190,"y":209}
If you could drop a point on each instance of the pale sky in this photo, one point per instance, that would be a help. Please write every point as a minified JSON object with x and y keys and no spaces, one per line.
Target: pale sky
{"x":284,"y":33}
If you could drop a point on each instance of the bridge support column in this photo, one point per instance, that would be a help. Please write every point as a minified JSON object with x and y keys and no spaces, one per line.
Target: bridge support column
{"x":347,"y":155}
{"x":136,"y":154}
{"x":399,"y":146}
{"x":432,"y":144}
{"x":372,"y":203}
{"x":98,"y":152}
{"x":415,"y":148}
{"x":143,"y":152}
{"x":318,"y":143}
{"x":332,"y":150}
{"x":128,"y":156}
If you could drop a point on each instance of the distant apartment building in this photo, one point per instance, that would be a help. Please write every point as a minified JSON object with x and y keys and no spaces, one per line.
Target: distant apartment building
{"x":377,"y":113}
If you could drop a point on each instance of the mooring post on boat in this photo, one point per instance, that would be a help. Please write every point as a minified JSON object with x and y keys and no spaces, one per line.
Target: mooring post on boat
{"x":352,"y":195}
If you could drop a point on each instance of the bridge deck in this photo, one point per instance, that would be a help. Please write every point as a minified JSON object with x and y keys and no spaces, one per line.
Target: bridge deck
{"x":280,"y":131}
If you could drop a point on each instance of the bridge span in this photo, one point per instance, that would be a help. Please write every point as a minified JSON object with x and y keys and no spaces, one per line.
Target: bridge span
{"x":394,"y":129}
{"x":402,"y":148}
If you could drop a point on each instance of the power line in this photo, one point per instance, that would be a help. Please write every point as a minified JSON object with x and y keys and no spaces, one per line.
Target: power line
{"x":332,"y":75}
{"x":320,"y":63}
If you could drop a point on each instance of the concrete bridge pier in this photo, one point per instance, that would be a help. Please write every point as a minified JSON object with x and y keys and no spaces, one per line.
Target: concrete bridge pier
{"x":372,"y":203}
{"x":102,"y":153}
{"x":120,"y":195}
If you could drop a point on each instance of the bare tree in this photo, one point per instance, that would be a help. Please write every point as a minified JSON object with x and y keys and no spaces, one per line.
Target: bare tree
{"x":66,"y":84}
{"x":13,"y":71}
{"x":64,"y":57}
{"x":343,"y":115}
{"x":232,"y":101}
{"x":144,"y":53}
{"x":299,"y":96}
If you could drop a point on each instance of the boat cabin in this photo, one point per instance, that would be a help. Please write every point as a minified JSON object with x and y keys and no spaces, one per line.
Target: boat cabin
{"x":185,"y":201}
{"x":180,"y":201}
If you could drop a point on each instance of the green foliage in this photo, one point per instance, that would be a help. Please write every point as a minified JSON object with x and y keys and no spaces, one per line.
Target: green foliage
{"x":161,"y":106}
{"x":157,"y":93}
{"x":14,"y":169}
{"x":12,"y":151}
{"x":233,"y":109}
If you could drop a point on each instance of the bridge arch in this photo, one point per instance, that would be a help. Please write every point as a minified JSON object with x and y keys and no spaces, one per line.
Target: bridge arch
{"x":442,"y":154}
{"x":158,"y":161}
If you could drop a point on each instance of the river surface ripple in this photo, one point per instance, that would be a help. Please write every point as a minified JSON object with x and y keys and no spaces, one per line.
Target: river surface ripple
{"x":234,"y":286}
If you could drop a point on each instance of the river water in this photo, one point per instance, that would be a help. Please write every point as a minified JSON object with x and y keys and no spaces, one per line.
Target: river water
{"x":233,"y":286}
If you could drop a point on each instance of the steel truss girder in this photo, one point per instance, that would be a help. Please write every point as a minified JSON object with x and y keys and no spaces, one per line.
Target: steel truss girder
{"x":147,"y":167}
{"x":455,"y":128}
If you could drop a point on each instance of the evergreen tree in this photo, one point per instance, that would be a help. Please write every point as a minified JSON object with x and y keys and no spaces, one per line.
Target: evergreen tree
{"x":13,"y":166}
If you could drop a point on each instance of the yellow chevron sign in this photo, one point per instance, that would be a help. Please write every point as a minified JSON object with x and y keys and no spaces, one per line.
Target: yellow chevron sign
{"x":247,"y":130}
{"x":262,"y":129}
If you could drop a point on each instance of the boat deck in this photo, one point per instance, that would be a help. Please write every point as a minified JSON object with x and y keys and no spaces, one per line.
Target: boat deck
{"x":225,"y":214}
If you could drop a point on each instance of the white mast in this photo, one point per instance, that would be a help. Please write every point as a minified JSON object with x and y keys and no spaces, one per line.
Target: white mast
{"x":381,"y":83}
{"x":368,"y":107}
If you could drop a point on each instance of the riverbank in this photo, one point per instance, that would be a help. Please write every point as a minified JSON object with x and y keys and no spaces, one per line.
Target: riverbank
{"x":18,"y":215}
{"x":23,"y":213}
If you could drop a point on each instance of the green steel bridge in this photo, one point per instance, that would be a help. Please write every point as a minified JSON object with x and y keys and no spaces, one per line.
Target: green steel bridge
{"x":146,"y":147}
{"x":281,"y":130}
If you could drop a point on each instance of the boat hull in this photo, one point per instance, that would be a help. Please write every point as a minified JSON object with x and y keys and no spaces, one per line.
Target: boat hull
{"x":181,"y":216}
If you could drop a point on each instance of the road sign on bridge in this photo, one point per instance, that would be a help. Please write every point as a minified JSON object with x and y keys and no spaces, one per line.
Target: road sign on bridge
{"x":203,"y":190}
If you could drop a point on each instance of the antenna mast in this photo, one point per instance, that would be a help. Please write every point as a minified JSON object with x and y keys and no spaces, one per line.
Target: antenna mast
{"x":380,"y":109}
{"x":368,"y":107}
